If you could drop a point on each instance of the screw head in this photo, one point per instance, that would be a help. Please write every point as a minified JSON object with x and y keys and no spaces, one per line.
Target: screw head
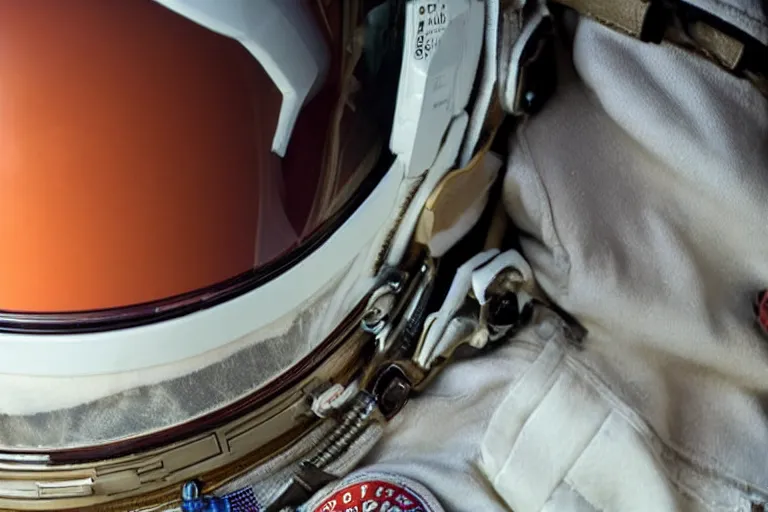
{"x":530,"y":97}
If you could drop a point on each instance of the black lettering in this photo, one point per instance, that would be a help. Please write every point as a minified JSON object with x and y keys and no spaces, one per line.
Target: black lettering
{"x":437,"y":20}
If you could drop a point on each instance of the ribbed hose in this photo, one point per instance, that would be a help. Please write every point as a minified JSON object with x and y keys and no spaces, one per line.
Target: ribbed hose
{"x":351,"y":427}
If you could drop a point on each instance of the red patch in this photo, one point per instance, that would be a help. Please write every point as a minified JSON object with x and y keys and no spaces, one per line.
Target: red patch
{"x":373,"y":495}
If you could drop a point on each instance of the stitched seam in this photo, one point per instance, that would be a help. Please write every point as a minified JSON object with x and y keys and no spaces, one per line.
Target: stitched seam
{"x":529,"y":347}
{"x":678,"y":485}
{"x":683,"y":491}
{"x":644,"y":428}
{"x":567,"y":478}
{"x":577,"y":493}
{"x":547,"y":207}
{"x":742,"y":12}
{"x":641,"y":424}
{"x":548,"y":388}
{"x":518,"y":382}
{"x":550,"y":216}
{"x":581,"y":454}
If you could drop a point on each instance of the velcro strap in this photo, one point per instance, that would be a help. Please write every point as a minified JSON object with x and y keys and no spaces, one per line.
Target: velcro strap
{"x":686,"y":26}
{"x":626,"y":15}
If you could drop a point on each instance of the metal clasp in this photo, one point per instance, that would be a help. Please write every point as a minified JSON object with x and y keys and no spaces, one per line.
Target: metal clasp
{"x":487,"y":300}
{"x":530,"y":63}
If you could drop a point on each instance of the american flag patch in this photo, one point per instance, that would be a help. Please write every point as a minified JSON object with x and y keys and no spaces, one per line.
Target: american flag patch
{"x":243,"y":500}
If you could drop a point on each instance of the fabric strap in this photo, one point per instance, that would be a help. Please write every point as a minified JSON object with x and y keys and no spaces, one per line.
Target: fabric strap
{"x":686,"y":26}
{"x":626,"y":15}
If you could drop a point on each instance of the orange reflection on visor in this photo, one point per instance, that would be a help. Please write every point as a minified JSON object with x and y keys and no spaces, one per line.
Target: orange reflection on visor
{"x":134,"y":155}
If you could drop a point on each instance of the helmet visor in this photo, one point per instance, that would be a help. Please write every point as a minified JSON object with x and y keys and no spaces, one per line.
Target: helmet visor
{"x":137,"y":180}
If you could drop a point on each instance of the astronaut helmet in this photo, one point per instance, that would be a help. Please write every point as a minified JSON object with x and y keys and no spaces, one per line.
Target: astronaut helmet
{"x":238,"y":235}
{"x":214,"y":215}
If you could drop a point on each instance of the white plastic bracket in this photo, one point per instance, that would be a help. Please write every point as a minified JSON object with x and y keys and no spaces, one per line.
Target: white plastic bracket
{"x":281,"y":36}
{"x":442,"y":46}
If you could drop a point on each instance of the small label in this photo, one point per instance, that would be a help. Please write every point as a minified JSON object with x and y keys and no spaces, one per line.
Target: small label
{"x":378,"y":495}
{"x":431,"y":22}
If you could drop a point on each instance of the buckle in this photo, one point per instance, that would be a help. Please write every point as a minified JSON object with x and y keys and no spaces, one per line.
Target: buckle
{"x":532,"y":65}
{"x":537,"y":75}
{"x":490,"y":298}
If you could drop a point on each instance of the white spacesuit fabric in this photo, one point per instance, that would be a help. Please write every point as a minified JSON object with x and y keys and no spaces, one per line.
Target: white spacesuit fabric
{"x":640,"y":192}
{"x":597,"y":348}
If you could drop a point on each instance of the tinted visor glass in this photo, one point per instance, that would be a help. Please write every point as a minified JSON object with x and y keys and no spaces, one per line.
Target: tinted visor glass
{"x":137,"y":179}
